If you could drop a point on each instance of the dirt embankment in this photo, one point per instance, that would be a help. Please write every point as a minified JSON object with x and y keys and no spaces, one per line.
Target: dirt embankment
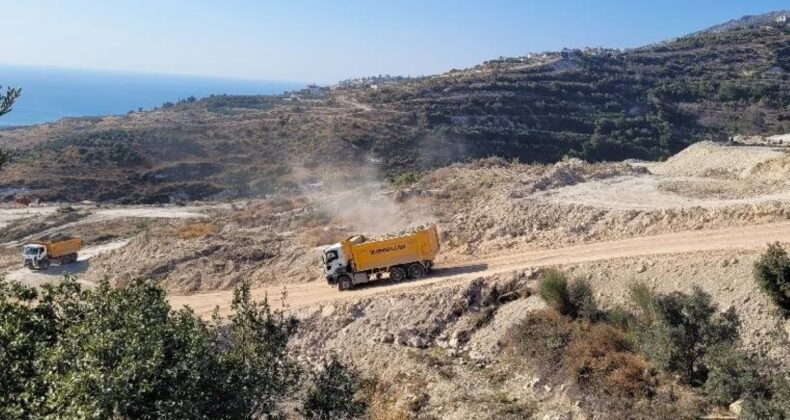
{"x":444,"y":346}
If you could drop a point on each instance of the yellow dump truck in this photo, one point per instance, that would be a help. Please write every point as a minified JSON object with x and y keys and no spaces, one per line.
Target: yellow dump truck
{"x":357,"y":260}
{"x":40,"y":255}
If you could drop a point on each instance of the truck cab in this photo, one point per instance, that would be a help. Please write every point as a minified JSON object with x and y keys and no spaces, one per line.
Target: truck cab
{"x":33,"y":254}
{"x":339,"y":268}
{"x":335,"y":262}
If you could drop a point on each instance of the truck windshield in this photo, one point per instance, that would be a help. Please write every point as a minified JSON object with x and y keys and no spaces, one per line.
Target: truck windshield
{"x":331,"y":256}
{"x":31,"y":250}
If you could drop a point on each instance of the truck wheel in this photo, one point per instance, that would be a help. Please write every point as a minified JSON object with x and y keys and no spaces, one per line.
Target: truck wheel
{"x":397,"y":274}
{"x":43,"y":264}
{"x":416,"y":271}
{"x":74,"y":257}
{"x":344,"y":283}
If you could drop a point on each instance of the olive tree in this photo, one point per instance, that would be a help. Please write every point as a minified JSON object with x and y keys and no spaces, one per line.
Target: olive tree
{"x":124,"y":353}
{"x":7,"y":100}
{"x":681,"y":329}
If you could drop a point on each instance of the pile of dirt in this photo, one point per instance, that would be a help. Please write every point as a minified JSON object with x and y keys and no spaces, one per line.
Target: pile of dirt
{"x":262,"y":254}
{"x":574,"y":171}
{"x":491,"y":209}
{"x":217,"y":261}
{"x":38,"y":224}
{"x":708,"y":159}
{"x":403,"y":232}
{"x":722,"y":190}
{"x":431,"y":351}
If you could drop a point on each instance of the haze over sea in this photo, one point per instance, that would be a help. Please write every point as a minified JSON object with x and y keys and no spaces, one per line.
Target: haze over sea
{"x":50,"y":93}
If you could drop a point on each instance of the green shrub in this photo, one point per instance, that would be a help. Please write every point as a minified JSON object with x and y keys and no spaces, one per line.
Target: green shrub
{"x":333,"y":394}
{"x":554,"y":290}
{"x":683,"y":329}
{"x":773,"y":403}
{"x":772,"y":273}
{"x":620,"y":318}
{"x":642,"y":299}
{"x":730,"y":375}
{"x":582,"y":300}
{"x":574,"y":298}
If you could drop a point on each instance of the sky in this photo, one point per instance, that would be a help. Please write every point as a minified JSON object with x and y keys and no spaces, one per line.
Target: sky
{"x":327,"y":41}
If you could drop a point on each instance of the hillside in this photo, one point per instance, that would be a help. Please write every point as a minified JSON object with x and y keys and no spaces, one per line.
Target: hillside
{"x":595,"y":104}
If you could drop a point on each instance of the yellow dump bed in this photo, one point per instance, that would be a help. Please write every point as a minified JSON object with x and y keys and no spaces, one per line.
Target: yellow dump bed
{"x":422,"y":245}
{"x":57,"y":249}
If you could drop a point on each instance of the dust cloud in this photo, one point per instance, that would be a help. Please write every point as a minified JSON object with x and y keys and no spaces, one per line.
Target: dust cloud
{"x":369,"y":206}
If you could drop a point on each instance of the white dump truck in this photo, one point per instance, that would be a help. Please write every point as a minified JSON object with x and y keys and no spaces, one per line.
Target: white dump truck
{"x":40,"y":255}
{"x":357,"y":260}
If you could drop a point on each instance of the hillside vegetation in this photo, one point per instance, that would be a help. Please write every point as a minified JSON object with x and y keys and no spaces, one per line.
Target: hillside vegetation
{"x":596,"y":104}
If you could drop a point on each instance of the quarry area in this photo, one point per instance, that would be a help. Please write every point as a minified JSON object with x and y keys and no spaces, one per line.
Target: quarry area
{"x":442,"y":347}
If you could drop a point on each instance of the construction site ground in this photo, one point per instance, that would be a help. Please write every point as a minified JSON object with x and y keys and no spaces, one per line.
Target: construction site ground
{"x":701,"y":218}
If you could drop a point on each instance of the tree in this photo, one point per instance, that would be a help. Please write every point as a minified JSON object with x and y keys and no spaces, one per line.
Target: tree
{"x":772,"y":272}
{"x":680,"y":330}
{"x":257,"y":358}
{"x":6,"y":102}
{"x":123,"y":353}
{"x":333,"y":394}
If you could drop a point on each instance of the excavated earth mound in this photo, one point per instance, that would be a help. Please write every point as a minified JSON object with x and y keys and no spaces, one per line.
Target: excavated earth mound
{"x":708,"y":159}
{"x":217,"y":261}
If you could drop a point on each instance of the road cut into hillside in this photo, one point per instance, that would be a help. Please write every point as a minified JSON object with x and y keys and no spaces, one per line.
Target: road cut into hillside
{"x":316,"y":293}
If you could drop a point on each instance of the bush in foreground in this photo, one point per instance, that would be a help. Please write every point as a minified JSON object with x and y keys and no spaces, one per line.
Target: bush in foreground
{"x":772,"y":272}
{"x":603,"y":357}
{"x":123,"y":353}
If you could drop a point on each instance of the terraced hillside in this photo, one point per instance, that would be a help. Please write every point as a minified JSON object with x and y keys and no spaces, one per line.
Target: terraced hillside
{"x":596,"y":104}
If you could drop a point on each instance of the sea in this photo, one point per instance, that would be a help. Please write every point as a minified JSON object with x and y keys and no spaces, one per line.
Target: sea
{"x":50,"y":93}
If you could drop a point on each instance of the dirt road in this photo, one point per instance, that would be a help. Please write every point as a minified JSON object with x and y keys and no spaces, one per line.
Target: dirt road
{"x":300,"y":295}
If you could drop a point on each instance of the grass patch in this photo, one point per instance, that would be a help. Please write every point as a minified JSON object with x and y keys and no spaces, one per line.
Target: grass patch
{"x":196,"y":230}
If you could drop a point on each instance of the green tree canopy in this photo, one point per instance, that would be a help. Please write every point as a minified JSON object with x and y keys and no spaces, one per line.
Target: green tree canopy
{"x":680,"y":329}
{"x":7,"y":100}
{"x":123,"y":353}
